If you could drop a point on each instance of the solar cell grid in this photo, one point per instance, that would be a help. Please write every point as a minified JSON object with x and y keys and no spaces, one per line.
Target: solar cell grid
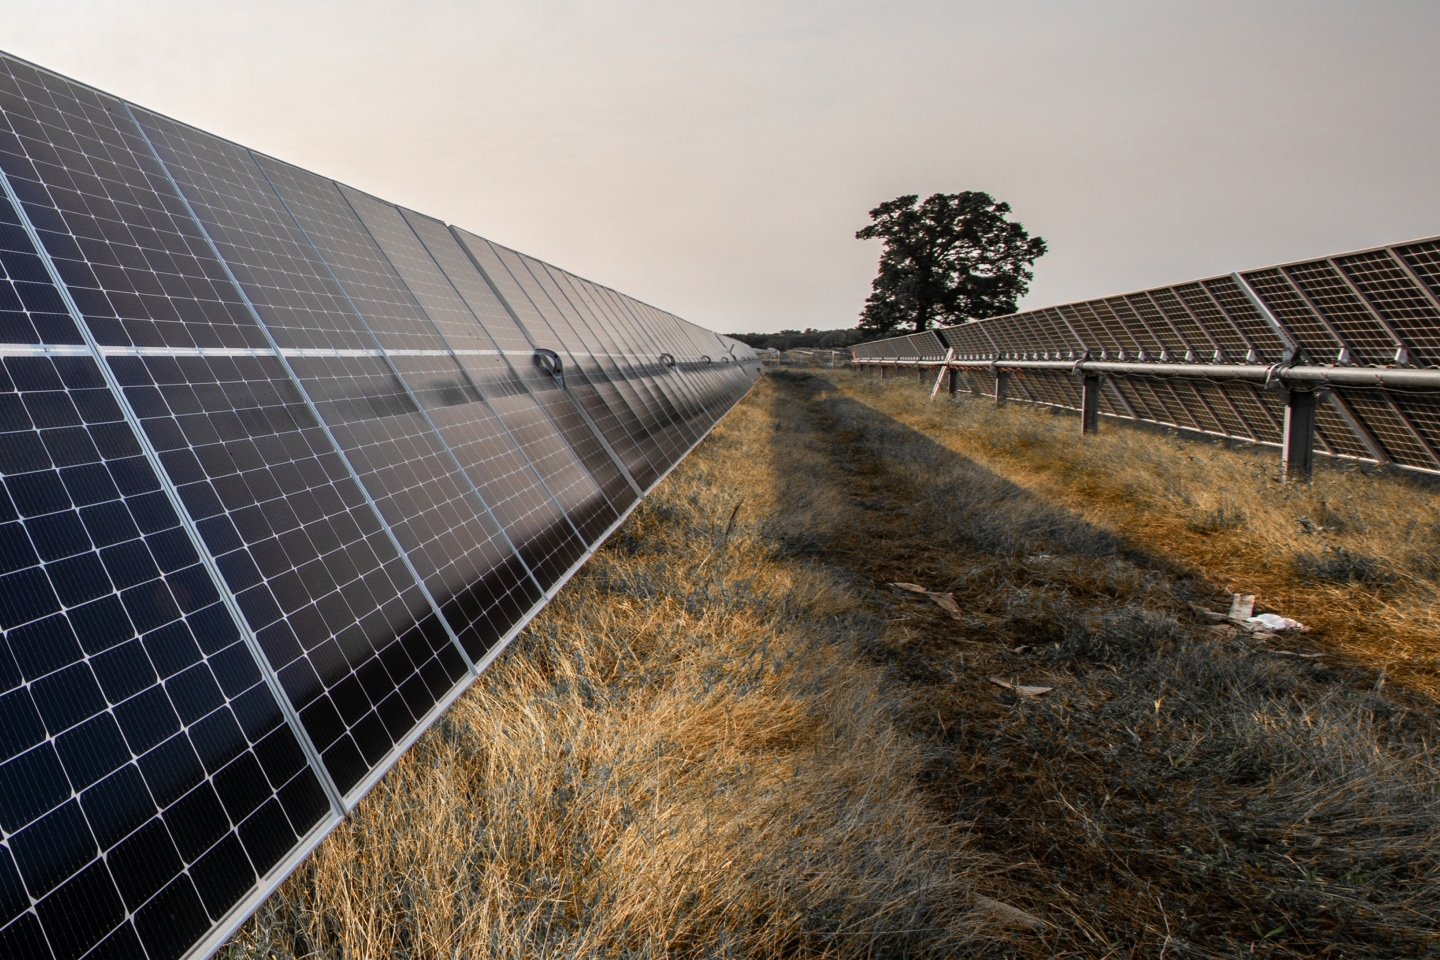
{"x":1422,"y":414}
{"x":348,"y":254}
{"x":1100,"y":337}
{"x":1195,"y":336}
{"x":147,"y":776}
{"x":629,"y":409}
{"x":462,"y":557}
{"x":30,"y":307}
{"x":1156,"y":404}
{"x":1262,"y":410}
{"x":1221,"y":330}
{"x":534,"y":407}
{"x":1258,"y":330}
{"x":518,"y":492}
{"x":1379,"y":415}
{"x":1147,"y":344}
{"x":132,"y":257}
{"x":1112,"y":403}
{"x":336,"y":613}
{"x":1403,"y":303}
{"x":487,"y":444}
{"x":587,"y":347}
{"x":601,"y":406}
{"x":1368,"y":337}
{"x":272,"y":260}
{"x":1175,"y":346}
{"x":1309,"y":329}
{"x":1185,"y":406}
{"x":1338,"y":434}
{"x":638,"y":360}
{"x":1423,"y":258}
{"x":644,"y":342}
{"x":1134,"y":402}
{"x":660,"y":417}
{"x":968,"y":341}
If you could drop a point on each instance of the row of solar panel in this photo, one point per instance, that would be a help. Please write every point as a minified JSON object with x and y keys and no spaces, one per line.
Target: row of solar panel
{"x":1378,"y":308}
{"x":281,"y":467}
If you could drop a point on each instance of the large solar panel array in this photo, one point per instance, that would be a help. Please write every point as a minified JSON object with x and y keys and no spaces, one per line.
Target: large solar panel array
{"x":1216,"y":355}
{"x":282,"y":467}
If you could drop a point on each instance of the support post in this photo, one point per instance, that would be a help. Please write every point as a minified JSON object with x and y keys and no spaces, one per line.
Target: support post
{"x":954,"y":379}
{"x":1298,"y":453}
{"x":884,"y":371}
{"x":1002,"y":386}
{"x":1090,"y":404}
{"x":920,"y":373}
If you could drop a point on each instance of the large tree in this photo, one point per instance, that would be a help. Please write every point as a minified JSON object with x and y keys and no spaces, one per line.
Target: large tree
{"x":952,"y":258}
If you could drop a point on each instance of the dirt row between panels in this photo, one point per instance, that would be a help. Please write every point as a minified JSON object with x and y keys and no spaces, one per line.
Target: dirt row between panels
{"x":728,"y":737}
{"x":1177,"y":790}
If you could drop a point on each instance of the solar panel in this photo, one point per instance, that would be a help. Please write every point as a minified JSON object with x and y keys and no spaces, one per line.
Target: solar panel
{"x":543,"y":416}
{"x":149,"y":777}
{"x":610,"y":418}
{"x":278,"y":474}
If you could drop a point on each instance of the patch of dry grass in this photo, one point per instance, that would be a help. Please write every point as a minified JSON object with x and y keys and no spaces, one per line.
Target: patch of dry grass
{"x":1354,"y":554}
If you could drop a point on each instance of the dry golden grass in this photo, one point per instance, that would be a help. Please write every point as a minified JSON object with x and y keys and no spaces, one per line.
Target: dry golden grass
{"x":729,"y":738}
{"x":1352,"y":554}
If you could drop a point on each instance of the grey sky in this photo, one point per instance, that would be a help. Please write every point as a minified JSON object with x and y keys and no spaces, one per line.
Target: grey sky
{"x":716,"y":158}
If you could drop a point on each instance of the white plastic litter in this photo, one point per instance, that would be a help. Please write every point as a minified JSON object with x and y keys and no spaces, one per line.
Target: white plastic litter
{"x":1277,"y":623}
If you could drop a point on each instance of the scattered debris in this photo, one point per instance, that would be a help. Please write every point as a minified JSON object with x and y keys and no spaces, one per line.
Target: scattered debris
{"x":1012,"y":916}
{"x":1276,"y":623}
{"x":1242,"y":606}
{"x":1023,"y":690}
{"x":1292,"y":653}
{"x":946,"y":602}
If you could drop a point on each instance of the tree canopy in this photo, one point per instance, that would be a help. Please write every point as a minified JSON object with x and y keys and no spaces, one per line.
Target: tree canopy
{"x":952,"y":258}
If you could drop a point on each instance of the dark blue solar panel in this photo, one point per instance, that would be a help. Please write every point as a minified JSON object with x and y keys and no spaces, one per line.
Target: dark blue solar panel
{"x":148,"y":778}
{"x":342,"y":621}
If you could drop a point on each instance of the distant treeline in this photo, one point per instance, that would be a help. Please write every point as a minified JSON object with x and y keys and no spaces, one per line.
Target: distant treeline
{"x":807,"y":338}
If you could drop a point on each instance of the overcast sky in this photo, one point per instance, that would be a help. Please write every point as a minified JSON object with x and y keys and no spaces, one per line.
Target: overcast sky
{"x":716,"y":158}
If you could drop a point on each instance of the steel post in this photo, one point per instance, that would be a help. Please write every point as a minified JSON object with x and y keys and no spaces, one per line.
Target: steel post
{"x":1298,"y":452}
{"x":1090,"y":404}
